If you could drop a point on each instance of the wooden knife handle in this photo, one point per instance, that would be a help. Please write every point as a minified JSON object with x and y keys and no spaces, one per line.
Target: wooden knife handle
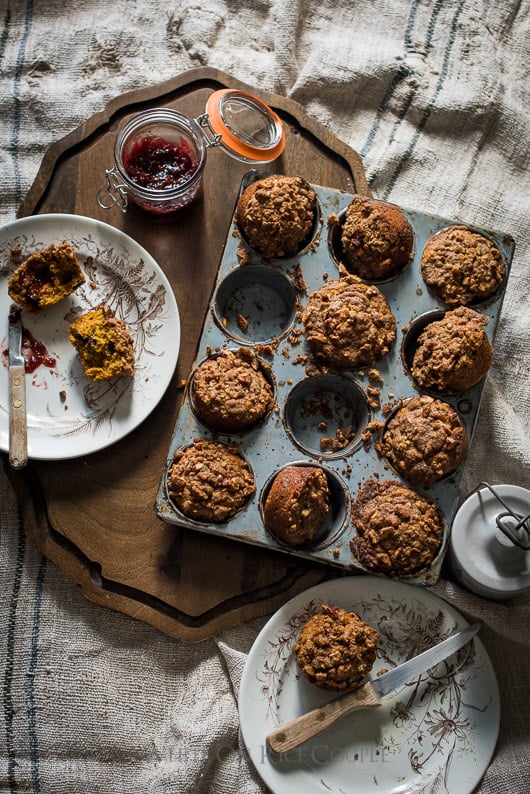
{"x":18,"y":429}
{"x":299,"y":730}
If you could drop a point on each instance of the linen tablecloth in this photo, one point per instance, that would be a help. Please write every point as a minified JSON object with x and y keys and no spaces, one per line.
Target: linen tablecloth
{"x":434,"y":96}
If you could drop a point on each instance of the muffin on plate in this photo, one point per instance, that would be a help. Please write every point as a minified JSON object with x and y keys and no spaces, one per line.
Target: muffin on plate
{"x":335,"y":649}
{"x":297,"y":504}
{"x":209,"y":481}
{"x":376,"y":238}
{"x":424,"y":440}
{"x":462,"y":266}
{"x":348,"y":323}
{"x":103,"y":343}
{"x":276,"y":214}
{"x":399,"y":531}
{"x":230,"y":391}
{"x":454,"y":353}
{"x":46,"y":277}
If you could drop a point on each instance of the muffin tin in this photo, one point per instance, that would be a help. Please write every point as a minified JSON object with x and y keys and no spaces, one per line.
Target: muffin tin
{"x":258,"y":304}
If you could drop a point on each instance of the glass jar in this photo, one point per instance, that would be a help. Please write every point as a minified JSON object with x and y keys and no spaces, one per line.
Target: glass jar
{"x":160,"y":154}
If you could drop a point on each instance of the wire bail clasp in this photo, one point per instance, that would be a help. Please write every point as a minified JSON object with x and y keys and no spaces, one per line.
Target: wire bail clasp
{"x":212,"y":138}
{"x":114,"y":189}
{"x":513,"y":525}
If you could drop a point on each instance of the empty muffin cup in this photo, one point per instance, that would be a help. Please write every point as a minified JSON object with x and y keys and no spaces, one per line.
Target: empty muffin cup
{"x":255,"y":304}
{"x":325,"y":415}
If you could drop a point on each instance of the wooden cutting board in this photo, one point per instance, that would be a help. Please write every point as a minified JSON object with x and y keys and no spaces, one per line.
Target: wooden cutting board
{"x":93,"y":516}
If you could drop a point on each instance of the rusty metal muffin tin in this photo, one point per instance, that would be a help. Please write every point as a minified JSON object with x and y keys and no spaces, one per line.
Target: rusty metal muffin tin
{"x":269,"y":296}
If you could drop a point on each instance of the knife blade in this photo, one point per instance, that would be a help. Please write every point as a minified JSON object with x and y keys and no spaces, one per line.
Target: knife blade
{"x":18,"y":433}
{"x":297,"y":731}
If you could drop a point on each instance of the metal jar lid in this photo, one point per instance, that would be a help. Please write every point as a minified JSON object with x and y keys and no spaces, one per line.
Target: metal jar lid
{"x":489,"y":549}
{"x":244,"y":126}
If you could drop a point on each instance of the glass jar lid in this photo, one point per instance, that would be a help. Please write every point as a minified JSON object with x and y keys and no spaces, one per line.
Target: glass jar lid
{"x":244,"y":126}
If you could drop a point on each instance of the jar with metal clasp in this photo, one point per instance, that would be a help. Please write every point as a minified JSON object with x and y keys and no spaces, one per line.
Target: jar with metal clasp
{"x":160,"y":154}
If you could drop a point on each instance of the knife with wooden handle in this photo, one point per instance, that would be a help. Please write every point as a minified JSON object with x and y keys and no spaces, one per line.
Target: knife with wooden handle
{"x":294,"y":733}
{"x":18,"y":429}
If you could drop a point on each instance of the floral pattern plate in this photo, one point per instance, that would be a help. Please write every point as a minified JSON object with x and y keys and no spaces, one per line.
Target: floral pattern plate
{"x":436,"y":734}
{"x":68,"y":415}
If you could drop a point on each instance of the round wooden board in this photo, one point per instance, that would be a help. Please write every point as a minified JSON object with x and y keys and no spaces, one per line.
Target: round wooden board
{"x":94,"y":515}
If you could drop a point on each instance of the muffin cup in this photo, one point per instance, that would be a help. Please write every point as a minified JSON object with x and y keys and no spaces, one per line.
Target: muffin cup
{"x":335,"y":522}
{"x":336,"y":253}
{"x":329,"y":406}
{"x":255,"y":304}
{"x":266,"y":371}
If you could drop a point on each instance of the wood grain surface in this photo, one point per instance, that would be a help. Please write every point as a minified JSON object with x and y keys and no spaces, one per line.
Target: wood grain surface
{"x":94,"y":515}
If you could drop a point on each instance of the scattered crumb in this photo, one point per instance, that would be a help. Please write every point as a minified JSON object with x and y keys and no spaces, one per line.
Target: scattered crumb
{"x":242,"y":322}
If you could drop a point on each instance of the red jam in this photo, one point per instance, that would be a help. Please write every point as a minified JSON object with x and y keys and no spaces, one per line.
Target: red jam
{"x":35,"y":353}
{"x":155,"y":163}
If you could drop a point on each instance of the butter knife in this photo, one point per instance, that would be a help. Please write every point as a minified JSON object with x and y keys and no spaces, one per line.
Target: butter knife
{"x":294,"y":733}
{"x":18,"y":433}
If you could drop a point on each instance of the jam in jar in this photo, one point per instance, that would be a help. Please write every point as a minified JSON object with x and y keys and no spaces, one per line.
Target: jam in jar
{"x":160,"y":154}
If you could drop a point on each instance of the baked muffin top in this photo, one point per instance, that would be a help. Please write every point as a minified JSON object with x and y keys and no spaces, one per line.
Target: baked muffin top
{"x":376,"y":238}
{"x":424,"y":440}
{"x":230,"y":391}
{"x":462,"y":266}
{"x":209,"y":481}
{"x":454,"y":353}
{"x":348,"y":323}
{"x":276,"y":214}
{"x":297,"y":504}
{"x":399,"y":531}
{"x":336,"y":649}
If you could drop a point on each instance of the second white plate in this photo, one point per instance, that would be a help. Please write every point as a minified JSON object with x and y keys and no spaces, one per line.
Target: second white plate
{"x":436,"y":734}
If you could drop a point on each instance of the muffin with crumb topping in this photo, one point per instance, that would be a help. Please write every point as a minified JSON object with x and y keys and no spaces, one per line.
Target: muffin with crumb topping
{"x":209,"y":481}
{"x":424,"y":440}
{"x":399,"y":531}
{"x":348,"y":323}
{"x":462,"y":266}
{"x":276,"y":214}
{"x":453,"y":353}
{"x":376,"y":238}
{"x":336,"y":649}
{"x":230,"y":390}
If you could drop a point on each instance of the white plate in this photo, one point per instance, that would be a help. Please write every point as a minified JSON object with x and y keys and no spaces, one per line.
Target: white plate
{"x":436,"y":734}
{"x":68,"y":415}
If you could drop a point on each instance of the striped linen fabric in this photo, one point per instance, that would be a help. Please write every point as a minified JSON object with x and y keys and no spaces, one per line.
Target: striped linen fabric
{"x":435,"y":96}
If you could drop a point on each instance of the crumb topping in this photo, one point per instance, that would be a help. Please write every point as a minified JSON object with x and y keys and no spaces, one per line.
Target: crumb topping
{"x":209,"y":481}
{"x":462,"y":266}
{"x":453,"y":353}
{"x":230,"y":390}
{"x":276,"y":214}
{"x":336,"y":649}
{"x":376,"y":237}
{"x":424,"y":440}
{"x":399,"y":531}
{"x":348,"y":323}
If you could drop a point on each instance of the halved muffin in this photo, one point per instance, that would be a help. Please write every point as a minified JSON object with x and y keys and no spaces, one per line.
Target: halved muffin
{"x":103,"y":343}
{"x":46,"y":277}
